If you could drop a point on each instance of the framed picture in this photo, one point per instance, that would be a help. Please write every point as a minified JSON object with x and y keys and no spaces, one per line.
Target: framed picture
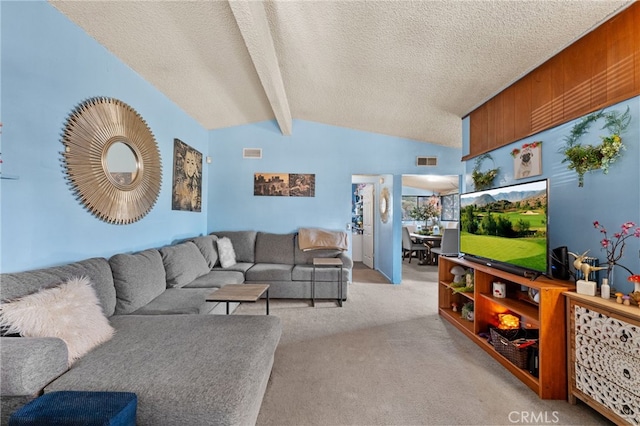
{"x":284,"y":184}
{"x":527,"y":161}
{"x":187,"y":178}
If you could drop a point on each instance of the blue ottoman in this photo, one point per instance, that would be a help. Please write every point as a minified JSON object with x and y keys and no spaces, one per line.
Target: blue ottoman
{"x":79,"y":408}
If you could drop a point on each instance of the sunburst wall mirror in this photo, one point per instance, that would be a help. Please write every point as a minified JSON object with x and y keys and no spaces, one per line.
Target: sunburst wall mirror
{"x":112,"y":160}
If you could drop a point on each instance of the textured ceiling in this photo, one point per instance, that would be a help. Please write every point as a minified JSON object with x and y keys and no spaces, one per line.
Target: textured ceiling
{"x":403,"y":68}
{"x":439,"y":184}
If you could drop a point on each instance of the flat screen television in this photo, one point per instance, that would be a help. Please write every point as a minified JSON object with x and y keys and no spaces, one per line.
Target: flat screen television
{"x":506,"y":227}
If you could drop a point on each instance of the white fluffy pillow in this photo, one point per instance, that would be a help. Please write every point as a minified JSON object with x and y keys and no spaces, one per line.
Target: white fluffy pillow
{"x":70,"y":311}
{"x":226,"y":252}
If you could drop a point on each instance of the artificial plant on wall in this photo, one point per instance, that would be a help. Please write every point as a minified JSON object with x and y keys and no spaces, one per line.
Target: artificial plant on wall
{"x":584,"y":158}
{"x":483,"y":180}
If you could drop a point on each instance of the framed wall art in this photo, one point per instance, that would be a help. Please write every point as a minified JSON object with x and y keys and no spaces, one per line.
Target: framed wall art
{"x":527,"y":161}
{"x":284,"y":184}
{"x":187,"y":178}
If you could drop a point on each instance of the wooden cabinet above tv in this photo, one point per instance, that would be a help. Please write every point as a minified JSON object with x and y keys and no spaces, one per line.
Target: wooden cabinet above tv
{"x":600,"y":69}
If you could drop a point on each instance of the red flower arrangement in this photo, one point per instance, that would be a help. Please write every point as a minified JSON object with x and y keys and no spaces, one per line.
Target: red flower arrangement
{"x":516,"y":151}
{"x":615,"y":246}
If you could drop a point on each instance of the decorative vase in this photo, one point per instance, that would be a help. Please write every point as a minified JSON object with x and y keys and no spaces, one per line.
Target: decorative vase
{"x":605,"y":290}
{"x":610,"y":269}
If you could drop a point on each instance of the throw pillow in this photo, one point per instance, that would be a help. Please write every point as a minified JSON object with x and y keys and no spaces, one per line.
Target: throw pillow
{"x":70,"y":311}
{"x":183,"y":263}
{"x":226,"y":253}
{"x":139,"y":278}
{"x":207,"y":246}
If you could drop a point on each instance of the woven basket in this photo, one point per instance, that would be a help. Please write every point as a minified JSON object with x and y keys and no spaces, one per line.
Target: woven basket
{"x":503,"y":344}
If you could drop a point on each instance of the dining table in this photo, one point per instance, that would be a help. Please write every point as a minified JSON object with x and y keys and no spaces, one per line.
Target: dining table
{"x":429,"y":240}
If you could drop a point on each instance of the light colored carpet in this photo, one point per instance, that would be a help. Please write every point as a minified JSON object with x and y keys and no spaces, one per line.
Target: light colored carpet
{"x":386,"y":358}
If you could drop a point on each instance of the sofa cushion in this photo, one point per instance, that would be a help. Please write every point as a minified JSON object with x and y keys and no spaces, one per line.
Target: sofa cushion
{"x":208,"y":369}
{"x":244,"y":244}
{"x":269,"y":272}
{"x":179,"y":301}
{"x":29,"y":364}
{"x":96,"y":269}
{"x":238,"y":267}
{"x":216,"y":279}
{"x":274,"y":248}
{"x":139,"y":278}
{"x":183,"y":263}
{"x":208,"y":248}
{"x":70,"y":312}
{"x":226,"y":252}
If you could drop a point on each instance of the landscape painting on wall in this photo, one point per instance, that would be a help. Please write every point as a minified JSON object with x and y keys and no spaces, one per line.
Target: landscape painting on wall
{"x":187,"y":178}
{"x":284,"y":184}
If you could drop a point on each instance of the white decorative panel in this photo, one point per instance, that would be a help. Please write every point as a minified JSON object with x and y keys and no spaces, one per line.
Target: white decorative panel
{"x":607,"y":362}
{"x":618,"y":367}
{"x":602,"y":390}
{"x":610,"y":331}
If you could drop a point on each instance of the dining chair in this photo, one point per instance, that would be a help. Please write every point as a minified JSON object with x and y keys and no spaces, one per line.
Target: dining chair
{"x":448,"y":244}
{"x":409,"y":246}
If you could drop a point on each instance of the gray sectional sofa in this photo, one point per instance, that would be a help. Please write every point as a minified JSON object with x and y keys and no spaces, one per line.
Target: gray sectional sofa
{"x":276,"y":259}
{"x":186,"y":367}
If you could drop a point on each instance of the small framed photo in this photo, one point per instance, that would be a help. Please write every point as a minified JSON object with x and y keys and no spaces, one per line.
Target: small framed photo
{"x":527,"y":161}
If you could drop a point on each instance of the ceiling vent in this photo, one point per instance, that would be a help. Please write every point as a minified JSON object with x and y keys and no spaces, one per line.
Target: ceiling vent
{"x":252,"y":153}
{"x":426,"y":161}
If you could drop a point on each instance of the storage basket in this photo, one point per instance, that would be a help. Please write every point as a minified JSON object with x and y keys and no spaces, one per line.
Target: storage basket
{"x":502,"y":341}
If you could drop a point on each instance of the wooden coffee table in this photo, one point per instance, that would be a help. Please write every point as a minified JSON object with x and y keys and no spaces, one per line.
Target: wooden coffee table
{"x":239,"y":293}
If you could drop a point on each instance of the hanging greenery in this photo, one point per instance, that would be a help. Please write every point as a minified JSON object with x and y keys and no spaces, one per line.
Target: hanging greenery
{"x":584,"y":158}
{"x":483,"y":180}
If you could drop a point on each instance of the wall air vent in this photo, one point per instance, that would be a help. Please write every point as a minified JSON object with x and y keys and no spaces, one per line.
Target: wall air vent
{"x":252,"y":153}
{"x":426,"y":161}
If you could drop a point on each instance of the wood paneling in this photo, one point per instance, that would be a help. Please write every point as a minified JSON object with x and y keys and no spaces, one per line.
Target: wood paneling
{"x":522,"y":108}
{"x":541,"y":97}
{"x":620,"y":56}
{"x":508,"y":114}
{"x":597,"y":49}
{"x":557,"y":90}
{"x":478,"y":130}
{"x":578,"y":73}
{"x":600,"y":69}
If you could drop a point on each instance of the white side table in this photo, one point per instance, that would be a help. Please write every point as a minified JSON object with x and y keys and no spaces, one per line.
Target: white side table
{"x":326,"y":262}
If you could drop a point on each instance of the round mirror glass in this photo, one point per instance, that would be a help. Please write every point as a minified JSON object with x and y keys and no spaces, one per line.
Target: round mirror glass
{"x":122,"y":164}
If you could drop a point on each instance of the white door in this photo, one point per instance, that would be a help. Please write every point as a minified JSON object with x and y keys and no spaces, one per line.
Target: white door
{"x":367,"y":225}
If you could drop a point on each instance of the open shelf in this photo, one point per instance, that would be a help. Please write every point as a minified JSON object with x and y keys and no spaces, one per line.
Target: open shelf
{"x":547,"y":316}
{"x":516,"y":306}
{"x":468,"y":295}
{"x":457,"y":318}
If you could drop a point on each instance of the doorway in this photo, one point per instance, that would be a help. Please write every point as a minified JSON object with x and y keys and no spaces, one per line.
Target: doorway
{"x":362,"y":224}
{"x":418,"y":191}
{"x":363,"y":219}
{"x":367,"y":225}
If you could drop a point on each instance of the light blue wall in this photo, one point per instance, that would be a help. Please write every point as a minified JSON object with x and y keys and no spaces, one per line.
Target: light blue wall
{"x":49,"y":66}
{"x":612,"y":199}
{"x":333,"y":154}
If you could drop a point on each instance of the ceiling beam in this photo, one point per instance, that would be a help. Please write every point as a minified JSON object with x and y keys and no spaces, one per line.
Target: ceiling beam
{"x":254,"y":27}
